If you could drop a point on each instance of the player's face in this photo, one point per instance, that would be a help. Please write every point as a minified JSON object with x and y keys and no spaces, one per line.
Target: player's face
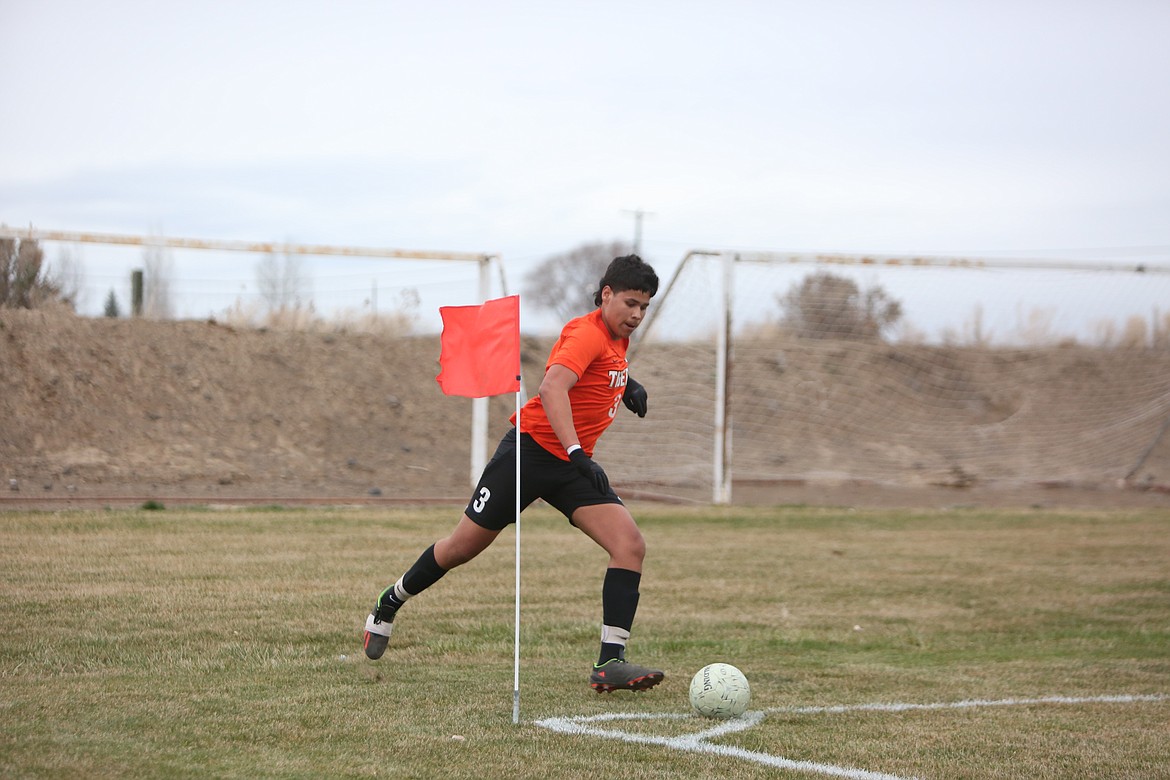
{"x":623,"y":311}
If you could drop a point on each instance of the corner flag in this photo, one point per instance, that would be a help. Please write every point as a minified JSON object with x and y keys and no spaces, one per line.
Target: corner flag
{"x":480,"y":348}
{"x":480,"y":356}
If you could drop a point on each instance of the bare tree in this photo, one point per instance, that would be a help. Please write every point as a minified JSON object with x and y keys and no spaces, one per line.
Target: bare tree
{"x":24,"y":283}
{"x":68,"y":277}
{"x":159,"y":269}
{"x":565,"y":283}
{"x":827,"y":306}
{"x":281,"y":280}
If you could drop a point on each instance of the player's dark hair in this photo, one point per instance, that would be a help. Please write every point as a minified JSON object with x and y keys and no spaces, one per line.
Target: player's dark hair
{"x":628,"y":272}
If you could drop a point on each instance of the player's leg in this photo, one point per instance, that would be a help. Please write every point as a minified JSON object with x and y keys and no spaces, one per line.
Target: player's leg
{"x":490,"y":510}
{"x":462,"y":545}
{"x":614,"y":529}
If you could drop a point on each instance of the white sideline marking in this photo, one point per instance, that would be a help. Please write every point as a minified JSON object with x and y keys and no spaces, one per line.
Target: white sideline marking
{"x":697,"y":742}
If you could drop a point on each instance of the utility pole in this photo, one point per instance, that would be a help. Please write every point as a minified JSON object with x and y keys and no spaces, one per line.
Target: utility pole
{"x":638,"y":215}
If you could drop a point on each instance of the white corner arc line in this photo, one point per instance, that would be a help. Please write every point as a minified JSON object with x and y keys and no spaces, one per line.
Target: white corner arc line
{"x":697,"y":742}
{"x":968,"y":703}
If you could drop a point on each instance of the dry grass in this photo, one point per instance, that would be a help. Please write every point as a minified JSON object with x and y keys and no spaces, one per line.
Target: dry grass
{"x":202,"y":643}
{"x":304,"y":317}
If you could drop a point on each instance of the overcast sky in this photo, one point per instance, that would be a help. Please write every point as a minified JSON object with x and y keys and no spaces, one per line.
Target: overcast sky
{"x":527,"y":128}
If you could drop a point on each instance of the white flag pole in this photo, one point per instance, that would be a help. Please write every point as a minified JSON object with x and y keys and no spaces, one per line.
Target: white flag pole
{"x":516,"y":659}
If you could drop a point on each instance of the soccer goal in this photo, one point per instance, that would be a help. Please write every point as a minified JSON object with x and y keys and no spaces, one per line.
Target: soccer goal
{"x":784,"y":368}
{"x":280,"y":285}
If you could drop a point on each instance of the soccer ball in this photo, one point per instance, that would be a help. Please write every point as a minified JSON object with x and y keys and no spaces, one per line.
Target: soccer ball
{"x":720,"y":691}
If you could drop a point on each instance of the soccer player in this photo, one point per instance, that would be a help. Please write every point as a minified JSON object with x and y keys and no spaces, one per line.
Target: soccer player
{"x":585,"y":383}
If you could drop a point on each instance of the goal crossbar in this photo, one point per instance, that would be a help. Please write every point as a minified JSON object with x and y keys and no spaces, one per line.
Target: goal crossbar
{"x":230,"y":245}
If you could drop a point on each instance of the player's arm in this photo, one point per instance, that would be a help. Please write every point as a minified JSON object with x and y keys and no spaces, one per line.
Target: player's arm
{"x":554,"y":397}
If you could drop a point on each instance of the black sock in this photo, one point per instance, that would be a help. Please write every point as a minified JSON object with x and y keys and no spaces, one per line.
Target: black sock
{"x":610,"y":651}
{"x":425,"y":572}
{"x":619,"y":603}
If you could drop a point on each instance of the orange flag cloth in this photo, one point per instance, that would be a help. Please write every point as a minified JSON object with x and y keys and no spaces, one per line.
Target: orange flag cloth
{"x":480,"y":348}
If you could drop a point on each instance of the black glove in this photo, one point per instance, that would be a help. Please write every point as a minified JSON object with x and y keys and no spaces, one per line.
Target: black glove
{"x":589,"y":468}
{"x":634,"y":397}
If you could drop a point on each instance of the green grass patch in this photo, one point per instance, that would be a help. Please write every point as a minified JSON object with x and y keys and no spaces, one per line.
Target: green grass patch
{"x":195,"y":643}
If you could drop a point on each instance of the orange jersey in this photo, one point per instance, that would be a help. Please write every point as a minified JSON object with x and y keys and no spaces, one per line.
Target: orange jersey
{"x":586,"y":348}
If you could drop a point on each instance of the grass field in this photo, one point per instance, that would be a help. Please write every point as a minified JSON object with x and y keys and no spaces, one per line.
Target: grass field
{"x":196,"y":643}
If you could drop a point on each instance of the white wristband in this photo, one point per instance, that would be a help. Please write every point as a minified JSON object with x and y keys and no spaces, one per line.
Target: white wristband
{"x":572,"y":448}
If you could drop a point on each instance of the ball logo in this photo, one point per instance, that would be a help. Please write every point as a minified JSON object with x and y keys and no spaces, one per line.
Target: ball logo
{"x":720,"y":691}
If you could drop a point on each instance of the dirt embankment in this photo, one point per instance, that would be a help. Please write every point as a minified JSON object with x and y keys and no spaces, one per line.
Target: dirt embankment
{"x":105,"y":408}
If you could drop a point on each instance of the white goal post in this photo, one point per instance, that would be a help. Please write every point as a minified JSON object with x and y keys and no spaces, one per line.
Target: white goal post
{"x":949,"y":371}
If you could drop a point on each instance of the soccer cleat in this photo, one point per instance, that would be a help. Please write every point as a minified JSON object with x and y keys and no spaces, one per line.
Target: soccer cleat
{"x":377,"y":635}
{"x":618,"y":674}
{"x":380,"y":623}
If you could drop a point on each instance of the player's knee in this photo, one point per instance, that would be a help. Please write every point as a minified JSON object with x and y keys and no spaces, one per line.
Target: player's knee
{"x":453,"y":556}
{"x":635,"y":546}
{"x":452,"y":552}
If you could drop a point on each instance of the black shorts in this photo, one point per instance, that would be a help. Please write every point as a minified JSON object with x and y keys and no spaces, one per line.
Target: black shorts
{"x":542,"y":475}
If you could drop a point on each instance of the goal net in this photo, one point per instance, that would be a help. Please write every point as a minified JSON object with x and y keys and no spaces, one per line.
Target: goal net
{"x":773,"y":369}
